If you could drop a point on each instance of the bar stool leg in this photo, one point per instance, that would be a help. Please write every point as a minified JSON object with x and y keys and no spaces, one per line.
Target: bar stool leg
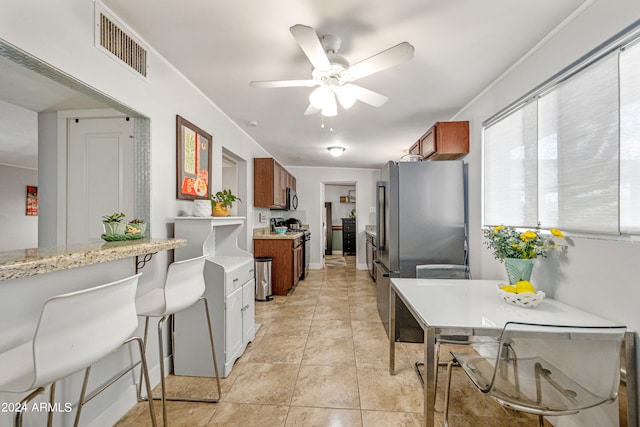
{"x":162,"y":385}
{"x":83,"y":393}
{"x":24,"y":403}
{"x":213,"y":349}
{"x":164,"y":397}
{"x":52,"y":399}
{"x":144,"y":374}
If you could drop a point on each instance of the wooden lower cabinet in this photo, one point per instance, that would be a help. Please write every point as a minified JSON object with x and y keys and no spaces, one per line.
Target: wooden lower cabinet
{"x":286,"y":267}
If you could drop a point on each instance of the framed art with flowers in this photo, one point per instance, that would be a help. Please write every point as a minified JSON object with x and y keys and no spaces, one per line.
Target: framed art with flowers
{"x":193,"y":160}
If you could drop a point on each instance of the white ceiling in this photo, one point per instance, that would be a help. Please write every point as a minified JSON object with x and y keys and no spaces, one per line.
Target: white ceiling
{"x":461,"y":47}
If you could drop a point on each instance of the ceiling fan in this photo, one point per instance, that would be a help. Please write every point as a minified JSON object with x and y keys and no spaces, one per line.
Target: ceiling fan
{"x":334,"y":75}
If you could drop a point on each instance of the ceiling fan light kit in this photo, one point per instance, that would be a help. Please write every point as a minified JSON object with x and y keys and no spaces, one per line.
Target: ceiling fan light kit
{"x":336,"y":151}
{"x":334,"y":75}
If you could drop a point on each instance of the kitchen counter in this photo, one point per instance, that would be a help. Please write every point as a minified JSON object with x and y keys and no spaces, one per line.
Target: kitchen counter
{"x":265,"y":234}
{"x":30,"y":262}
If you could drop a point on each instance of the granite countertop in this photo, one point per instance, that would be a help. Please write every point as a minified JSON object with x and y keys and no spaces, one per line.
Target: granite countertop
{"x":29,"y":262}
{"x":370,"y":229}
{"x":266,"y":234}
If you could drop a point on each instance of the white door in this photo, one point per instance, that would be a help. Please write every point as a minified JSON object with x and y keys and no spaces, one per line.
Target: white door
{"x":100,"y":174}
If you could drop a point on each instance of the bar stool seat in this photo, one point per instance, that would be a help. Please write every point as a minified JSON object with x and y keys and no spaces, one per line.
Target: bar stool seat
{"x":183,"y":288}
{"x":74,"y":331}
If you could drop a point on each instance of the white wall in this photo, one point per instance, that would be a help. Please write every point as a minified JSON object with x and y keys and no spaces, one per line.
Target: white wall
{"x":18,"y":230}
{"x":309,"y":186}
{"x":596,"y":275}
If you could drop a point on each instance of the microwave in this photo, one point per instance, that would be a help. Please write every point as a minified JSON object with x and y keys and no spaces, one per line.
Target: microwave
{"x":292,"y":199}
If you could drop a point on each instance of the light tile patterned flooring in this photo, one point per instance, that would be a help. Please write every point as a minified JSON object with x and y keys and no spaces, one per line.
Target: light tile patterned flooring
{"x":321,"y":358}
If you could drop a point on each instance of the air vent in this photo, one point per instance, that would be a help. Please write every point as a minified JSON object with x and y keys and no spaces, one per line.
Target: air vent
{"x":112,"y":38}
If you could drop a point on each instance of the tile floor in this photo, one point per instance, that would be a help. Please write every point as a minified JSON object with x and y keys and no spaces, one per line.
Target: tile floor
{"x":320,"y":358}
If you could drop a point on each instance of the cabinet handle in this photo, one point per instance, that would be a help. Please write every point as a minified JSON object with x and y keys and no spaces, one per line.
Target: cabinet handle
{"x":235,"y":280}
{"x":251,"y":272}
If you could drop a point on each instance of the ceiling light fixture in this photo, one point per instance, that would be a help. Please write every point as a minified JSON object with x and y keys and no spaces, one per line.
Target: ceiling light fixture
{"x":336,"y":151}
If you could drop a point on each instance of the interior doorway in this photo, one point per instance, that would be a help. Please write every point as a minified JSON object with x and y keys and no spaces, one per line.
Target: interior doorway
{"x":339,"y":201}
{"x":230,"y":178}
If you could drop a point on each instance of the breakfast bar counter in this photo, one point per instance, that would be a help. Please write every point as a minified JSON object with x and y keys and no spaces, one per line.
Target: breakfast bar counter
{"x":29,"y":262}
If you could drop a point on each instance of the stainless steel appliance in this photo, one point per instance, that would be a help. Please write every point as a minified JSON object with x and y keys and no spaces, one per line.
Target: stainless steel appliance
{"x":306,"y":253}
{"x":420,"y":219}
{"x":293,"y":224}
{"x":276,"y":222}
{"x":292,"y":199}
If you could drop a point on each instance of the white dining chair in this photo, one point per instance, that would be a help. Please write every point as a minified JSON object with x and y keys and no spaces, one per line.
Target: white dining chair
{"x":74,"y":331}
{"x":183,"y":288}
{"x":545,"y":370}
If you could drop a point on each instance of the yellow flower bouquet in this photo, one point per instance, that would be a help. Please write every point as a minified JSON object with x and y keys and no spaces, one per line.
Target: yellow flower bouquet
{"x":507,"y":242}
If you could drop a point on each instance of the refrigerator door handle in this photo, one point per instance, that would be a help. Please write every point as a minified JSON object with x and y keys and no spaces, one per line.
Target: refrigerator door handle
{"x":381,"y":267}
{"x":381,"y":195}
{"x":385,"y":272}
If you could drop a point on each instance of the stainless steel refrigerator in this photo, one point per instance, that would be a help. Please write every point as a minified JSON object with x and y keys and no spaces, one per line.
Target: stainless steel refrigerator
{"x":420,"y":219}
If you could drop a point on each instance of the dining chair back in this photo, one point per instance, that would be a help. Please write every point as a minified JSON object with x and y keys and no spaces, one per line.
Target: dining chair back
{"x":547,"y":369}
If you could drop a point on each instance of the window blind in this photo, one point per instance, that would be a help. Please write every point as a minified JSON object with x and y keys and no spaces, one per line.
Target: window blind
{"x":578,"y":151}
{"x":510,"y":164}
{"x":630,"y":140}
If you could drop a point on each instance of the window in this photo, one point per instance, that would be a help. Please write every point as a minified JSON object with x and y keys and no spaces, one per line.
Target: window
{"x":569,"y":157}
{"x":510,"y":190}
{"x":578,"y":151}
{"x":630,"y":140}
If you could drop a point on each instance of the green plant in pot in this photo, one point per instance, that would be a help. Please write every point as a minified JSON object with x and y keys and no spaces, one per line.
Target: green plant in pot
{"x":136,"y":226}
{"x":113,"y":224}
{"x":222,"y":202}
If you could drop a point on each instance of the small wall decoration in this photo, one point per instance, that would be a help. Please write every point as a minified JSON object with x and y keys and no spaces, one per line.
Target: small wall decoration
{"x":352,"y":196}
{"x":32,"y":201}
{"x":193,"y":160}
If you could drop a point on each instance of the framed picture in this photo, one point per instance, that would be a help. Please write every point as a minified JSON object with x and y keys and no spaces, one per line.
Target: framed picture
{"x":32,"y":201}
{"x":193,"y":160}
{"x":352,"y":196}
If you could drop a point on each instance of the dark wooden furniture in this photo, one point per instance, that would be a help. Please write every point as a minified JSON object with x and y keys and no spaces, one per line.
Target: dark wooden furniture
{"x":270,"y":182}
{"x":348,"y":236}
{"x":287,"y":264}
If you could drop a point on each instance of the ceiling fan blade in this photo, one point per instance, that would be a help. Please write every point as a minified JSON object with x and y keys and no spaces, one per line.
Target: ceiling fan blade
{"x":311,"y":46}
{"x":283,"y":83}
{"x":367,"y":96}
{"x":311,"y":110}
{"x":386,"y":59}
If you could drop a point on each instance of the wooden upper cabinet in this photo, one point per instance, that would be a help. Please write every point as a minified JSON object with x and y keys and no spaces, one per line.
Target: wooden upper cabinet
{"x":415,"y":148}
{"x":445,"y":141}
{"x":270,"y":182}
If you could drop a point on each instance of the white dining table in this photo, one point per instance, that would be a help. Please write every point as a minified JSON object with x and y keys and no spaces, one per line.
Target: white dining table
{"x":473,"y":308}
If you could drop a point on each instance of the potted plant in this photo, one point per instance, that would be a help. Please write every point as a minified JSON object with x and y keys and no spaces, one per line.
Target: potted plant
{"x":113,"y":224}
{"x":136,"y":226}
{"x":222,"y":201}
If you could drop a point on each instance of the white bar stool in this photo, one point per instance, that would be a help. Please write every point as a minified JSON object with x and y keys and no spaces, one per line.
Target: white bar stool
{"x":74,"y":331}
{"x":183,"y":288}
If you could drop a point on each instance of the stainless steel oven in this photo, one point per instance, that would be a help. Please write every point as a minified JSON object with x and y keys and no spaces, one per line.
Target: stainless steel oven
{"x":306,"y":253}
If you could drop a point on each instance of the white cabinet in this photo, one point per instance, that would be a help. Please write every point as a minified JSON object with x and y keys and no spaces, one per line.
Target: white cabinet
{"x":230,"y":287}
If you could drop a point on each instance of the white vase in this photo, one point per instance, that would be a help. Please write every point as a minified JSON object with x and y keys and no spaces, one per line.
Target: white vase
{"x":202,"y":207}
